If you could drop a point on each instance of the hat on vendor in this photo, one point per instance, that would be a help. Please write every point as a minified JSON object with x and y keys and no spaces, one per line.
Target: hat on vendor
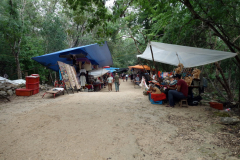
{"x":177,"y":76}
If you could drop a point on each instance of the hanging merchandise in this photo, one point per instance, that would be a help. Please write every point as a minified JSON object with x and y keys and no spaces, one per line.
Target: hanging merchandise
{"x":64,"y":75}
{"x":95,"y":66}
{"x":60,"y":75}
{"x":70,"y":75}
{"x":88,"y":66}
{"x":74,"y":75}
{"x":146,"y":86}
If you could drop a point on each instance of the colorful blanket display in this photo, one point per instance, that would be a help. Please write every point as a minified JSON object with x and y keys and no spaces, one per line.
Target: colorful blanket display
{"x":74,"y":73}
{"x":64,"y":74}
{"x":68,"y":75}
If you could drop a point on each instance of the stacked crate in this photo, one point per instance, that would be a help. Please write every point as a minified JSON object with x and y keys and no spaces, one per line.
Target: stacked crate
{"x":32,"y":82}
{"x":32,"y":86}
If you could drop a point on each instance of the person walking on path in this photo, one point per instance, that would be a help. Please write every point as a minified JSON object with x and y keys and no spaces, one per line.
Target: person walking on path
{"x":126,"y":77}
{"x":123,"y":76}
{"x":180,"y":91}
{"x":117,"y":82}
{"x":110,"y":81}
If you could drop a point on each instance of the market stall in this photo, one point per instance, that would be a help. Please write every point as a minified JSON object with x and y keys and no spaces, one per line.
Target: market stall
{"x":184,"y":58}
{"x":77,"y":66}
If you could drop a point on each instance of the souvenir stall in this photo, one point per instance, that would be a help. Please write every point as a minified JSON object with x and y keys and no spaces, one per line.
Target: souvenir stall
{"x":185,"y":58}
{"x":141,"y":71}
{"x":98,"y":77}
{"x":74,"y":64}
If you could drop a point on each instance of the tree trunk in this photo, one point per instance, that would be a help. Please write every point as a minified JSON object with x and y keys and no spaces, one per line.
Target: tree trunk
{"x":156,"y":69}
{"x":19,"y":72}
{"x":224,"y":83}
{"x":239,"y":93}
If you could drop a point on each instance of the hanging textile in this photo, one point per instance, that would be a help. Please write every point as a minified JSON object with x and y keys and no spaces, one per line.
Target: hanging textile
{"x":64,"y":74}
{"x":60,"y":75}
{"x":70,"y":75}
{"x":88,"y":66}
{"x":74,"y":75}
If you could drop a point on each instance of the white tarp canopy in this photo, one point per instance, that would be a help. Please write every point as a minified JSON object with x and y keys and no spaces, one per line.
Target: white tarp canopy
{"x":98,"y":72}
{"x":188,"y":56}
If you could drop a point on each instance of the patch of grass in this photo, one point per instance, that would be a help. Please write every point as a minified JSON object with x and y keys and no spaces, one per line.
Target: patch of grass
{"x":221,"y":114}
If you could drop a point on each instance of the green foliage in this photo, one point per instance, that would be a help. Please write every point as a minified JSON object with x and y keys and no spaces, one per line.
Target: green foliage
{"x":53,"y":34}
{"x":45,"y":26}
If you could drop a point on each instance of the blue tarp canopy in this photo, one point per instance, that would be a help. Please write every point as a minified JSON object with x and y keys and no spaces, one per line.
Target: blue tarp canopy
{"x":112,"y":69}
{"x":97,"y":54}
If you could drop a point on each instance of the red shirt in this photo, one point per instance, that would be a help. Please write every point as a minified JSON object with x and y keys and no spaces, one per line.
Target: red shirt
{"x":184,"y":87}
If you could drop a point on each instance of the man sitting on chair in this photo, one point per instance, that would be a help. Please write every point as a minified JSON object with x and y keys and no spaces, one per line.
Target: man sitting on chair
{"x":137,"y":80}
{"x":180,"y":91}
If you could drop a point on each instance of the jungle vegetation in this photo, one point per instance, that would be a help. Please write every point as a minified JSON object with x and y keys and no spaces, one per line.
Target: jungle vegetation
{"x":30,"y":28}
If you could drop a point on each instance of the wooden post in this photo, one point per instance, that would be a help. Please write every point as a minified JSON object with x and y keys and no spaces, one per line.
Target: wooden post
{"x":154,"y":61}
{"x":55,"y":76}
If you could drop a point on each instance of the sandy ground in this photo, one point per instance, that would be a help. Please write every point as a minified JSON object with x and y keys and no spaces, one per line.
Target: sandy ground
{"x":106,"y":125}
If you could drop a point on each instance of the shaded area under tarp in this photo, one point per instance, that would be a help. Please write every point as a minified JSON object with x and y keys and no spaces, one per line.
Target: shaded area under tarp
{"x":98,"y":72}
{"x":98,"y":54}
{"x":122,"y":70}
{"x":188,"y":56}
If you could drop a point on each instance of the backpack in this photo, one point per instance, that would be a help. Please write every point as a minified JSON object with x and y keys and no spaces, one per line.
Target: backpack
{"x":194,"y":101}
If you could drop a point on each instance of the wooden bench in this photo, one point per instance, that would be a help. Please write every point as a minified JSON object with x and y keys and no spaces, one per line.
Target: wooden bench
{"x":54,"y":91}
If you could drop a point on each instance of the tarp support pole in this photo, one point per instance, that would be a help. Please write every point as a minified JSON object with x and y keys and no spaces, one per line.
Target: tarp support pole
{"x":154,"y":61}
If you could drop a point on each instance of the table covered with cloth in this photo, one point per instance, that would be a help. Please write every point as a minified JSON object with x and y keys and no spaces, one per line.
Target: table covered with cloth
{"x":158,"y":97}
{"x":89,"y":86}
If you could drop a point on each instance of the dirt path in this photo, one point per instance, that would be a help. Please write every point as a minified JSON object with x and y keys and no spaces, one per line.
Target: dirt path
{"x":105,"y":125}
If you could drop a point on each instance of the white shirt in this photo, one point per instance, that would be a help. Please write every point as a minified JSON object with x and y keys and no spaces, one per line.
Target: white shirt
{"x":83,"y":70}
{"x":110,"y":79}
{"x":126,"y":75}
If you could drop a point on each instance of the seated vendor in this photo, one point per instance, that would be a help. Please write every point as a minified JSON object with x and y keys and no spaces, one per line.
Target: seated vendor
{"x":172,"y":83}
{"x":178,"y":92}
{"x":154,"y":89}
{"x":137,"y":79}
